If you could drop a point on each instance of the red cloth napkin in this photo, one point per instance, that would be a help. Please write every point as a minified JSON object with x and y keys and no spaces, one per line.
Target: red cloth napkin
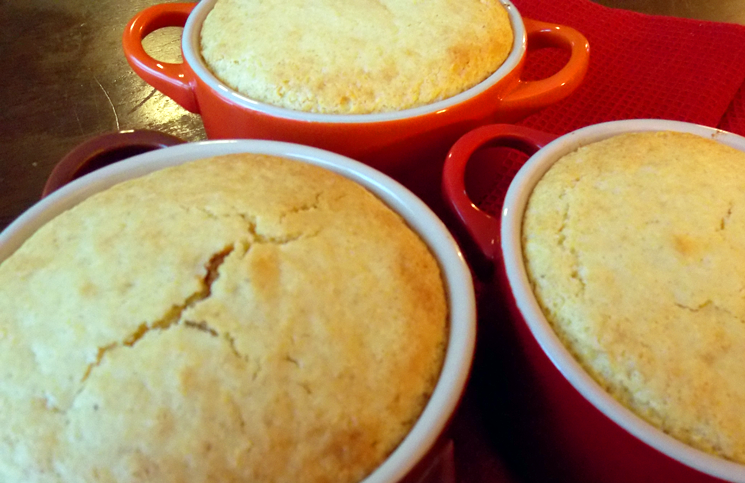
{"x":641,"y":66}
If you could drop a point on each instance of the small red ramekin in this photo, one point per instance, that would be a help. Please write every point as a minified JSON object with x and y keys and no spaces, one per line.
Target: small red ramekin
{"x":578,"y":432}
{"x":425,"y":450}
{"x":409,"y":145}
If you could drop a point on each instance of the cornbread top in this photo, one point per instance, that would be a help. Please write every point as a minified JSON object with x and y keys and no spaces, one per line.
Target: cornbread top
{"x":239,"y":318}
{"x":635,"y":247}
{"x":355,"y":57}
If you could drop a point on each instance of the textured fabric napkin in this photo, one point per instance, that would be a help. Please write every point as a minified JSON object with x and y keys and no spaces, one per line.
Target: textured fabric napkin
{"x":641,"y":66}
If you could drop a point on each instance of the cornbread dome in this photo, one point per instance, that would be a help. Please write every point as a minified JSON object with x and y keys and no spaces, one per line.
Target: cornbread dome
{"x":354,"y":57}
{"x":234,"y":319}
{"x":635,"y":248}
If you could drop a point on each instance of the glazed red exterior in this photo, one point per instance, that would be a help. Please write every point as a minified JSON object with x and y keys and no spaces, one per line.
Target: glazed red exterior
{"x":382,"y":144}
{"x":400,"y":145}
{"x":568,"y":435}
{"x":571,"y":438}
{"x":103,"y":150}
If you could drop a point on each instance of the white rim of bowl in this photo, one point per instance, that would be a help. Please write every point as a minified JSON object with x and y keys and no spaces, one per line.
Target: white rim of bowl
{"x":191,"y":50}
{"x":512,"y":213}
{"x":461,"y":299}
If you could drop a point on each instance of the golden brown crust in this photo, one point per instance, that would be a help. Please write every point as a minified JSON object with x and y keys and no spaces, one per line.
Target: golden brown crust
{"x":635,"y":248}
{"x":355,"y":57}
{"x":242,"y":318}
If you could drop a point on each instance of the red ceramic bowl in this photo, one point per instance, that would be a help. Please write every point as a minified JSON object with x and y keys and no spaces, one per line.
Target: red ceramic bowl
{"x":403,"y":143}
{"x":425,"y":455}
{"x":577,"y":431}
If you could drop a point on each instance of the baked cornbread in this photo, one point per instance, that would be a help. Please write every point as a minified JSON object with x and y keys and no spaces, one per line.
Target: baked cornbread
{"x":635,"y":247}
{"x":354,"y":57}
{"x":242,"y":318}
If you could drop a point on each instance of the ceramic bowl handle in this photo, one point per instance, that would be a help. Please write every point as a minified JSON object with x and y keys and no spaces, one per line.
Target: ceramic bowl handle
{"x":102,"y":151}
{"x":172,"y":80}
{"x":531,"y":96}
{"x":481,"y":226}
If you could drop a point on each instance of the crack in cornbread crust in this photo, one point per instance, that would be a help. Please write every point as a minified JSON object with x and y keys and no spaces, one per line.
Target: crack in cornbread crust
{"x":634,"y":247}
{"x":167,"y":374}
{"x":355,"y":57}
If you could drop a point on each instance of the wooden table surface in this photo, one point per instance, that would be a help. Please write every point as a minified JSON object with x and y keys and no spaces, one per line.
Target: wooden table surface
{"x":64,"y":80}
